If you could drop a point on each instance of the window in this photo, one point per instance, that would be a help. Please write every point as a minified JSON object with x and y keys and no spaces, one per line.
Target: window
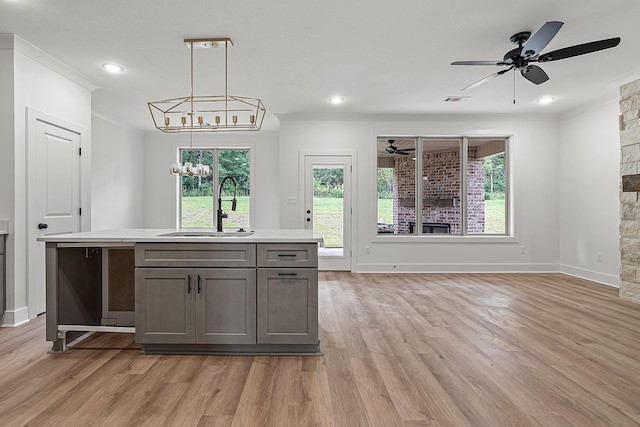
{"x":198,"y":195}
{"x":486,"y":187}
{"x":460,"y":194}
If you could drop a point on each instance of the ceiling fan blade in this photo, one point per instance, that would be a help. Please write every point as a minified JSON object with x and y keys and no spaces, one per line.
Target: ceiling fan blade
{"x":541,"y":39}
{"x":486,"y":79}
{"x":580,"y":49}
{"x":534,"y":74}
{"x":479,"y":63}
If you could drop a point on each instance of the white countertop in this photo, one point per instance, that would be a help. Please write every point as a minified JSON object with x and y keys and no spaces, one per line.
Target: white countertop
{"x":158,"y":235}
{"x":4,"y":226}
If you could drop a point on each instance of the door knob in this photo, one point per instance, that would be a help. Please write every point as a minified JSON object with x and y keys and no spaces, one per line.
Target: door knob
{"x":42,"y":226}
{"x":308,"y":211}
{"x":308,"y":219}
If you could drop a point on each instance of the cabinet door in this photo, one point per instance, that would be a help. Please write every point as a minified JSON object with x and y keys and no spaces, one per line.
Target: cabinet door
{"x":226,"y":306}
{"x":165,"y":300}
{"x":287,"y":306}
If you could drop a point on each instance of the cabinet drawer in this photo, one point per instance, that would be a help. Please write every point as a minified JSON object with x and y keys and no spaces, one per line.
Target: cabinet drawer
{"x":195,"y":255}
{"x":288,"y":255}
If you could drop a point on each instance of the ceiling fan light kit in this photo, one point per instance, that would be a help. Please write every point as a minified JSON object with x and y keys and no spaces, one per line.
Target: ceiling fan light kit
{"x":392,"y":149}
{"x":529,"y":50}
{"x":208,"y":113}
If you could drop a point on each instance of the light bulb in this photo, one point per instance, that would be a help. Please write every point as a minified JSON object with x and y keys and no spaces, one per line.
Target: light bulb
{"x":112,"y":68}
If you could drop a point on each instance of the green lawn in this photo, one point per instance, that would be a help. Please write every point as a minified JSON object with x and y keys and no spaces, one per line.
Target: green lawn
{"x":198,"y":212}
{"x":328,"y":219}
{"x":494,"y":220}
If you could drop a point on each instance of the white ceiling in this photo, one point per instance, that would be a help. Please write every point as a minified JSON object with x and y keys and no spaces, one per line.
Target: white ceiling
{"x":385,"y":57}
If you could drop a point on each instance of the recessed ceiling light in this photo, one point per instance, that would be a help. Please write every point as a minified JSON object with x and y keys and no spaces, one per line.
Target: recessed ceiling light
{"x":336,"y":99}
{"x":457,"y":98}
{"x":112,"y":68}
{"x":546,"y":100}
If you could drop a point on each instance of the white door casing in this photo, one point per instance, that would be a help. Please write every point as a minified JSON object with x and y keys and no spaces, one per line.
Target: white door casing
{"x":54,"y":193}
{"x":328,"y":260}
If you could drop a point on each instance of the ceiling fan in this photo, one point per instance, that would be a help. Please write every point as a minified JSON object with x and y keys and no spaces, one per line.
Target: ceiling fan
{"x":392,"y":149}
{"x":528,"y":50}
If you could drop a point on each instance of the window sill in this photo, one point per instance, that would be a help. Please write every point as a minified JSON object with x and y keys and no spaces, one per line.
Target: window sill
{"x":443,"y":238}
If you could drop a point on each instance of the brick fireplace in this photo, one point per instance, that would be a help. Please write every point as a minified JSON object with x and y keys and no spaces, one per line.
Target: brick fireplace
{"x":441,"y":191}
{"x":630,"y":203}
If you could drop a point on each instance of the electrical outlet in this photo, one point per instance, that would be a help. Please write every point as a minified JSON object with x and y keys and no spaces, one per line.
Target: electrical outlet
{"x":367,"y":250}
{"x":599,"y":257}
{"x":522,"y":249}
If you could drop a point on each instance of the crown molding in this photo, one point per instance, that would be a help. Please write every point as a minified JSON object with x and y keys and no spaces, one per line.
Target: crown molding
{"x":300,"y":117}
{"x":14,"y":42}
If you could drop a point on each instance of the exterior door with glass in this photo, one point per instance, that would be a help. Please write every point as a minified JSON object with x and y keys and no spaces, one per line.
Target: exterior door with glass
{"x":327,"y":207}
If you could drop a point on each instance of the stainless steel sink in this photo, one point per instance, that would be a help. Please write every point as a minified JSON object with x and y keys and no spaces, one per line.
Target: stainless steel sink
{"x":187,"y":233}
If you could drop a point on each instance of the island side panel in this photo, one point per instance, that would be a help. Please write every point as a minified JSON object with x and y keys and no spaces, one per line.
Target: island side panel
{"x":51,"y":272}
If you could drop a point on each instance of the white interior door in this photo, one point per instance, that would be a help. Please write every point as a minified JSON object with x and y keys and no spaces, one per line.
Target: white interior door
{"x":327,"y":207}
{"x":54,"y":201}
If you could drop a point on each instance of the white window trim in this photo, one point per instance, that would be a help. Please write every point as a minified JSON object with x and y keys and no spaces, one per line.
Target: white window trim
{"x":508,"y":237}
{"x":218,"y":146}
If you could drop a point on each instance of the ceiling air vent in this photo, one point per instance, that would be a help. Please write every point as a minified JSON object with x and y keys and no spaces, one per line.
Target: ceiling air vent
{"x":457,"y":98}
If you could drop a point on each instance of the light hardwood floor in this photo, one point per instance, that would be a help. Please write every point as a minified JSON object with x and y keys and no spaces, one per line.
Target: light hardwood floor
{"x":399,"y":350}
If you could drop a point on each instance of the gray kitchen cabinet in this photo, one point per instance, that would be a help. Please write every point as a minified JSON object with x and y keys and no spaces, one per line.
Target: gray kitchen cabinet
{"x":287,"y":294}
{"x":226,"y":306}
{"x":195,"y":306}
{"x":165,"y":311}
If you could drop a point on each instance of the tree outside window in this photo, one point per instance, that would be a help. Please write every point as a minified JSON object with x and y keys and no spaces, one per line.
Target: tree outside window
{"x":198,"y":195}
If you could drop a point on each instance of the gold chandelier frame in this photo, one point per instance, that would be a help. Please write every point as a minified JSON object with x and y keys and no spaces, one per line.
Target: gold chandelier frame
{"x":206,"y":113}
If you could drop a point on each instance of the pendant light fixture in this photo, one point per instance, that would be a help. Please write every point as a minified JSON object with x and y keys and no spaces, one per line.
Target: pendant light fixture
{"x":208,"y":113}
{"x":188,"y":168}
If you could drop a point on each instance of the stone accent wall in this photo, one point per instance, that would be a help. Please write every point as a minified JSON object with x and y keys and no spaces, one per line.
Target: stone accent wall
{"x":630,"y":203}
{"x":442,"y":169}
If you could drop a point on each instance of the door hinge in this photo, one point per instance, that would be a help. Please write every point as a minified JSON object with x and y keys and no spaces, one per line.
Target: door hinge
{"x":80,"y":151}
{"x":80,"y":211}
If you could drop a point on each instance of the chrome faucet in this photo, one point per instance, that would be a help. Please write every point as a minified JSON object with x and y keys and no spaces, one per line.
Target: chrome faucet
{"x":220,"y":213}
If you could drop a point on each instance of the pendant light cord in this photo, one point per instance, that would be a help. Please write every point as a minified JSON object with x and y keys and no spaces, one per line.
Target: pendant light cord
{"x":514,"y":87}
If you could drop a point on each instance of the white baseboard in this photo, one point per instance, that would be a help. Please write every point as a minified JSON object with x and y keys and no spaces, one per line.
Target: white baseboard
{"x":13,"y":318}
{"x":456,"y":268}
{"x":594,"y":276}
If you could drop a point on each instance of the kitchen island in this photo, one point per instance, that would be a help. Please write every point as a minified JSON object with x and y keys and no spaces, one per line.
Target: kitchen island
{"x":186,"y":291}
